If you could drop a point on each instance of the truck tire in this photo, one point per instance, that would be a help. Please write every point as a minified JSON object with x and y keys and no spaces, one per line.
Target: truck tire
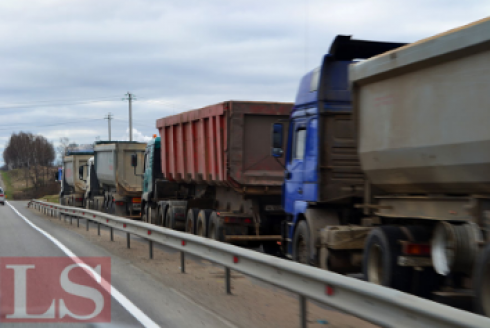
{"x":481,"y":282}
{"x":215,"y":228}
{"x":144,"y":214}
{"x":380,"y":257}
{"x":170,"y":218}
{"x":203,"y":223}
{"x":301,"y":243}
{"x":160,"y":217}
{"x":190,"y":220}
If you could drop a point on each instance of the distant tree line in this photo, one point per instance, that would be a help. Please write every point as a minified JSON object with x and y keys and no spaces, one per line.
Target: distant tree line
{"x":32,"y":153}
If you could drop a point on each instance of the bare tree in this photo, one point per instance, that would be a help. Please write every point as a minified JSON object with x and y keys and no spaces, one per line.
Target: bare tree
{"x":29,"y":152}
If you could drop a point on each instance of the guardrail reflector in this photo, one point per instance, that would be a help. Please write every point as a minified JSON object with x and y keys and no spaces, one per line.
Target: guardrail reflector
{"x":124,"y":225}
{"x":329,"y":290}
{"x":107,"y":220}
{"x":149,"y":232}
{"x":235,"y":259}
{"x":183,"y":242}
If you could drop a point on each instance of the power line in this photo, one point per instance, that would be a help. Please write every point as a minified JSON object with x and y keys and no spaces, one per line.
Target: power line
{"x":137,"y":123}
{"x":60,"y":100}
{"x":50,"y":125}
{"x":57,"y":105}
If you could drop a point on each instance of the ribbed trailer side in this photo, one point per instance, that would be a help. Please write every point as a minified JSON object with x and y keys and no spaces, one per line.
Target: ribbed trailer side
{"x":223,"y":144}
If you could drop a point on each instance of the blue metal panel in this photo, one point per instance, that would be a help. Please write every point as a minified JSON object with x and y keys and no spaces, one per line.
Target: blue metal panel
{"x":298,"y":208}
{"x":310,"y":174}
{"x":293,"y":189}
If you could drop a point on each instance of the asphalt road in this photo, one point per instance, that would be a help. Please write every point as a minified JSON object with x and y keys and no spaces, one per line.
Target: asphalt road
{"x":141,"y":300}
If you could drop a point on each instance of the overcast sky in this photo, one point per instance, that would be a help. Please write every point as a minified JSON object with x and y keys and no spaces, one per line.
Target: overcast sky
{"x":64,"y":64}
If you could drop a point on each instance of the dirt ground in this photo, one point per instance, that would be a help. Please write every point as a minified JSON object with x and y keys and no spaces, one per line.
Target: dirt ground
{"x":252,"y":303}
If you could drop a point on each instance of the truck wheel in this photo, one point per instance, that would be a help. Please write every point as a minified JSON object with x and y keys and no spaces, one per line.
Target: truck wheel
{"x":150,"y":213}
{"x":380,"y":257}
{"x":301,"y":243}
{"x":144,"y":214}
{"x":203,"y":222}
{"x":170,"y":218}
{"x":215,"y":227}
{"x":481,"y":282}
{"x":190,"y":220}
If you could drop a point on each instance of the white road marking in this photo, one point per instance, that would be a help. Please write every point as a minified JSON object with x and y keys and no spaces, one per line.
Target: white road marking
{"x":118,"y":296}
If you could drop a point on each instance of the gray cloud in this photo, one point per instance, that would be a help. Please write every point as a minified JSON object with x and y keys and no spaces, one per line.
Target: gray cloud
{"x":178,"y":55}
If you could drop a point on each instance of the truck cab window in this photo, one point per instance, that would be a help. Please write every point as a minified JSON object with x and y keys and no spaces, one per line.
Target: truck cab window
{"x":299,"y":143}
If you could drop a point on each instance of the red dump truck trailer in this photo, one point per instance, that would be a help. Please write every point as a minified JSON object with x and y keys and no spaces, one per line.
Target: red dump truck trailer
{"x":210,"y":173}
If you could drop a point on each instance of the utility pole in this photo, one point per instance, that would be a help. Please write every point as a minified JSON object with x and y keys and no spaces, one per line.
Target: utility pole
{"x":109,"y":118}
{"x":129,"y":97}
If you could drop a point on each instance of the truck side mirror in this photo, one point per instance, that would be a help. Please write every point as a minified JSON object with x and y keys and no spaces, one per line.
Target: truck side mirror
{"x":277,"y":136}
{"x":134,"y":160}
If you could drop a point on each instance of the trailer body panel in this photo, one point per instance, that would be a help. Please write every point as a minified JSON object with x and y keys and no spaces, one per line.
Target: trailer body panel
{"x":422,"y":124}
{"x":224,"y":144}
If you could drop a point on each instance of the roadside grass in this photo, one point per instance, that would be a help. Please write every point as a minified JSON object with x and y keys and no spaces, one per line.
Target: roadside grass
{"x":51,"y":198}
{"x":7,"y":182}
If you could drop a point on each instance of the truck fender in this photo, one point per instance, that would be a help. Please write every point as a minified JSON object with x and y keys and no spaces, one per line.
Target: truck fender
{"x":317,"y":219}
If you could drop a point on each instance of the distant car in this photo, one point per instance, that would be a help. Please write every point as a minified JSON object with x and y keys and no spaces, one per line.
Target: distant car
{"x":2,"y":197}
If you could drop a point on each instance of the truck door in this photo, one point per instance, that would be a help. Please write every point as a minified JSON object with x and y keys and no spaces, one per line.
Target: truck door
{"x":295,"y":165}
{"x":310,"y":172}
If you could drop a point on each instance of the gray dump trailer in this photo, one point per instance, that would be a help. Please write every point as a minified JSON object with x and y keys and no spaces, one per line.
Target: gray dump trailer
{"x":113,"y":186}
{"x":422,"y":114}
{"x":73,"y":184}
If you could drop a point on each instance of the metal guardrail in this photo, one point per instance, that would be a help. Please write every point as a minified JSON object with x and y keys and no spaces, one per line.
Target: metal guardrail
{"x":377,"y":304}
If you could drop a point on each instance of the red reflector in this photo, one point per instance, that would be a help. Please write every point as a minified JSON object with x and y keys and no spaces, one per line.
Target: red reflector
{"x":73,"y":211}
{"x":329,"y":290}
{"x":78,"y":199}
{"x":107,"y":220}
{"x":124,"y":225}
{"x":51,"y":206}
{"x":83,"y":213}
{"x":235,"y":259}
{"x":247,"y":220}
{"x":149,"y":232}
{"x":1,"y":195}
{"x":183,"y":242}
{"x":416,"y":249}
{"x":119,"y":203}
{"x":94,"y":216}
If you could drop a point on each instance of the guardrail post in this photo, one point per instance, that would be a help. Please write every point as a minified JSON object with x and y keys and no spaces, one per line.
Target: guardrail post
{"x":112,"y":234}
{"x":182,"y":262}
{"x":150,"y":249}
{"x":302,"y":311}
{"x":88,"y":221}
{"x":228,"y":280}
{"x":128,"y":240}
{"x":78,"y":222}
{"x":71,"y":220}
{"x":98,"y":228}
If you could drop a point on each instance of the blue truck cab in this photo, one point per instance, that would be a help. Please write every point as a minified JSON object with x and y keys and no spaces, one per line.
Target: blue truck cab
{"x":323,"y":179}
